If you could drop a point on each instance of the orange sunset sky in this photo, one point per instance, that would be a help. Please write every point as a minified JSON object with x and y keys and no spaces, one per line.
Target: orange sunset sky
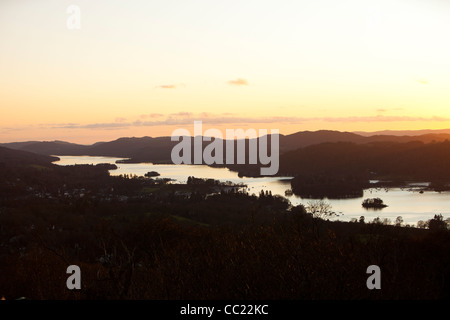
{"x":144,"y":68}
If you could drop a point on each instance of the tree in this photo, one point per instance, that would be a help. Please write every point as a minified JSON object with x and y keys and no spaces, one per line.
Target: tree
{"x":319,"y":209}
{"x":376,"y":203}
{"x":377,"y":220}
{"x":422,"y":224}
{"x":437,"y":223}
{"x":299,"y":209}
{"x":399,"y":221}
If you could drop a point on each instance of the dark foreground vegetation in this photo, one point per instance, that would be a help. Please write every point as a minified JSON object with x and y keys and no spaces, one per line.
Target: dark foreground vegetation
{"x":139,"y":238}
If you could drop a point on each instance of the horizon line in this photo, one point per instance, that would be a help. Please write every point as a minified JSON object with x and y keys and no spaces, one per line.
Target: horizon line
{"x":399,"y":133}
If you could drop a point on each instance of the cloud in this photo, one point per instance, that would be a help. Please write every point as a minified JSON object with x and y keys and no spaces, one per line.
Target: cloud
{"x":106,"y":125}
{"x":381,"y":118}
{"x":120,"y":119}
{"x":238,"y":82}
{"x":381,"y":110}
{"x":167,"y":86}
{"x":206,"y":115}
{"x":187,"y":118}
{"x":181,"y":114}
{"x":171,"y":86}
{"x":151,"y":115}
{"x":422,"y":81}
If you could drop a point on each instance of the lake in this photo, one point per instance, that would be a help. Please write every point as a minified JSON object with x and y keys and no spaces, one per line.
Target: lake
{"x":408,"y":202}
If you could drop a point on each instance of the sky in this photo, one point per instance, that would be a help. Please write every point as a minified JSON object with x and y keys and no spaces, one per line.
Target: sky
{"x":145,"y":68}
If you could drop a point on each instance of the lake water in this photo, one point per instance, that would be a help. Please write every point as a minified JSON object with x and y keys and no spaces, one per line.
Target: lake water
{"x":408,"y":203}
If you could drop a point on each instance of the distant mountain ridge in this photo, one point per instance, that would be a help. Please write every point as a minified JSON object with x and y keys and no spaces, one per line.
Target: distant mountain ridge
{"x":403,"y":132}
{"x":158,"y":149}
{"x":20,"y":157}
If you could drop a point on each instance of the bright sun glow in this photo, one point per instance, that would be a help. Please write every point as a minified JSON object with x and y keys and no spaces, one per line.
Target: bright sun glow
{"x":144,"y":68}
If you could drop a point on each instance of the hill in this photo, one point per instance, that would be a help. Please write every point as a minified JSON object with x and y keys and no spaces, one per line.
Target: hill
{"x":402,"y":160}
{"x":402,"y":132}
{"x":19,"y":157}
{"x":148,"y":149}
{"x":49,"y":147}
{"x":343,"y":169}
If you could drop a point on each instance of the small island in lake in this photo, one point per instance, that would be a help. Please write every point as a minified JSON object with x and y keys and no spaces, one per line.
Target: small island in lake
{"x":373,"y":203}
{"x":152,"y":174}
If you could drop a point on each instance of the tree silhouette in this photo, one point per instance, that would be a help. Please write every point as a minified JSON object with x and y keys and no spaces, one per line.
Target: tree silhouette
{"x":319,"y":209}
{"x":399,"y":221}
{"x":437,"y":223}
